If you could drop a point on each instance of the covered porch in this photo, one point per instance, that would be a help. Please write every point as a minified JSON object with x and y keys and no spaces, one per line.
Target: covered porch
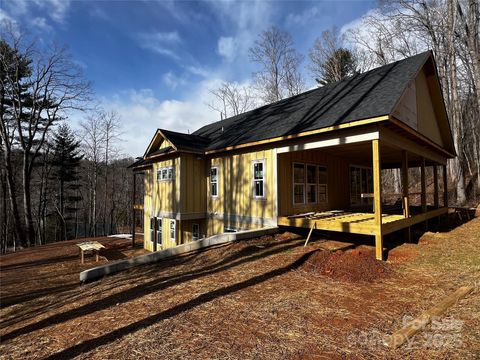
{"x":364,"y":209}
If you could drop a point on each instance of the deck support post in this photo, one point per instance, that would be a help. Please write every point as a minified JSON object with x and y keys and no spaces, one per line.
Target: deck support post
{"x":435,"y":187}
{"x":406,"y":201}
{"x":423,"y":190}
{"x":377,"y":199}
{"x":445,"y":187}
{"x":133,"y":207}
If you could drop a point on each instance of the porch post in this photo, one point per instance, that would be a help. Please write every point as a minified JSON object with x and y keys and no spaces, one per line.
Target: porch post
{"x":133,"y":207}
{"x":435,"y":186}
{"x":377,"y":199}
{"x":445,"y":186}
{"x":424,"y":190}
{"x":424,"y":186}
{"x":405,"y":202}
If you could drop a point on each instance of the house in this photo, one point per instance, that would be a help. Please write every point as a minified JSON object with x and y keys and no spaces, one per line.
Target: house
{"x":313,"y":160}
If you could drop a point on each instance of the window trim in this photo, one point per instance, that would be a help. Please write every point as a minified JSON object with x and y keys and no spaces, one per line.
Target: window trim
{"x":216,"y":181}
{"x":159,"y":231}
{"x":195,"y":238}
{"x":263,"y":180}
{"x":297,"y":183}
{"x":166,"y":169}
{"x":174,"y":222}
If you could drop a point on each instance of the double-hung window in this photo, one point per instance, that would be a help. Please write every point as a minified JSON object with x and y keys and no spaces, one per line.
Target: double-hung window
{"x":322,"y":185}
{"x":159,"y":231}
{"x":166,"y":173}
{"x":214,"y":181}
{"x":259,"y":179}
{"x":311,"y":184}
{"x":298,"y":183}
{"x":195,"y":232}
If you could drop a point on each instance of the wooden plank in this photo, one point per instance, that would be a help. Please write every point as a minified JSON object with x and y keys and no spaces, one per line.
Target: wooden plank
{"x":415,"y":219}
{"x":401,"y":336}
{"x":405,"y":144}
{"x":377,"y":200}
{"x":435,"y":186}
{"x":314,"y":225}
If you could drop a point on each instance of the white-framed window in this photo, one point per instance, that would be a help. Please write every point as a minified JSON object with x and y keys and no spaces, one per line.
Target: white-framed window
{"x":173,"y":230}
{"x":214,"y":181}
{"x":298,"y":183}
{"x":312,"y":181}
{"x":322,"y":184}
{"x":258,"y":167}
{"x":152,"y":229}
{"x":195,"y":231}
{"x":166,"y":173}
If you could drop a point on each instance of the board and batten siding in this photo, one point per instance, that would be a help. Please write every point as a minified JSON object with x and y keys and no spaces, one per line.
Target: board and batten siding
{"x":193,"y":182}
{"x":337,"y":181}
{"x":235,"y":206}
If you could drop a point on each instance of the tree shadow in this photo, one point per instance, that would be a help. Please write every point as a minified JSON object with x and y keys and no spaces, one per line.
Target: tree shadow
{"x":91,"y":344}
{"x":158,"y":284}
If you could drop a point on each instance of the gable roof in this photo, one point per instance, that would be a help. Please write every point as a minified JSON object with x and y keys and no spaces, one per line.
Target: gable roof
{"x":371,"y":95}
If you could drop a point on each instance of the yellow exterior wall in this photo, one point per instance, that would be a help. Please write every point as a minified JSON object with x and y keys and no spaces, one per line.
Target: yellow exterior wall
{"x":193,"y":180}
{"x":235,"y":206}
{"x":427,"y":120}
{"x":337,"y":182}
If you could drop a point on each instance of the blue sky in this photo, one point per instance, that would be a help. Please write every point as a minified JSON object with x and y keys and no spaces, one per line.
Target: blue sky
{"x":155,"y":61}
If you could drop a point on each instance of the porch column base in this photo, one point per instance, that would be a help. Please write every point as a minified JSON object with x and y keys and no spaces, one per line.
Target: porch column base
{"x":379,"y":247}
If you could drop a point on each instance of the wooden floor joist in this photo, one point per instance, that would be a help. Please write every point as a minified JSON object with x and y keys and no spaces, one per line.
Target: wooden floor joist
{"x":401,"y":336}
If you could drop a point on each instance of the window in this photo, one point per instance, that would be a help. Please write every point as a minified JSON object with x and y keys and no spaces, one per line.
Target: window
{"x":311,"y":184}
{"x":166,"y":173}
{"x":214,"y":181}
{"x":259,"y":179}
{"x":152,"y":229}
{"x":195,"y":232}
{"x":159,"y":231}
{"x":322,"y":184}
{"x":298,"y":183}
{"x":173,"y":224}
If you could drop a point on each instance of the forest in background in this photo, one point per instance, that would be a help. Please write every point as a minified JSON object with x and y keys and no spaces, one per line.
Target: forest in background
{"x":57,"y":183}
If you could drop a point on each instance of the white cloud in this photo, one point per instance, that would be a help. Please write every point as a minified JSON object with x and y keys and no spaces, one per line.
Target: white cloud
{"x":160,"y":42}
{"x":227,"y":47}
{"x":172,"y":80}
{"x":303,"y":18}
{"x":41,"y":24}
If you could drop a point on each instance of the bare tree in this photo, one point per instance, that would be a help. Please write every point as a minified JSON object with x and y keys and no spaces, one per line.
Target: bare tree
{"x":329,"y":60}
{"x":38,"y":89}
{"x":232,"y":99}
{"x":93,"y":141}
{"x":280,"y":74}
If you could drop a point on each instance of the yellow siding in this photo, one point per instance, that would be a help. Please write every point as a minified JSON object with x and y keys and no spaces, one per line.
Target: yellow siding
{"x":427,"y":120}
{"x":193,"y":178}
{"x":337,"y":182}
{"x":235,"y":198}
{"x":166,"y":193}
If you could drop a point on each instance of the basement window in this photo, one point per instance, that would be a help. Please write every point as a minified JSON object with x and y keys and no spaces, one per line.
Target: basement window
{"x":173,"y":225}
{"x":259,"y":179}
{"x":214,"y":182}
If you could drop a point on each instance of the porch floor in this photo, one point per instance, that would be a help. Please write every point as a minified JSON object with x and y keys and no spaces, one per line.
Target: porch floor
{"x":356,"y":222}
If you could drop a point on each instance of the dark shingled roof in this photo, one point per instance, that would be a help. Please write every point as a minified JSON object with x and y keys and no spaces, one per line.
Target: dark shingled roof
{"x":368,"y":95}
{"x":371,"y":94}
{"x":186,"y":142}
{"x":140,"y":162}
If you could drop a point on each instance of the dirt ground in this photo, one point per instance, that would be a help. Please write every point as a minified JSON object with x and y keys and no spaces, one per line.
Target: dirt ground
{"x":264,"y":298}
